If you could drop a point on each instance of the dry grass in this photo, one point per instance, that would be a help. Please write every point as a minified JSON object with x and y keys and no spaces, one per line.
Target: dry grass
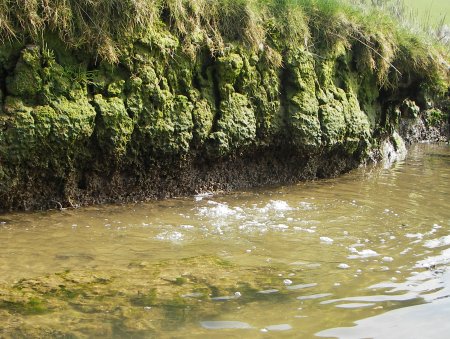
{"x":272,"y":26}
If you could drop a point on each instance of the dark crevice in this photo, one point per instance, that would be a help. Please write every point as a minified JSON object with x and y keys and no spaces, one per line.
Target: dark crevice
{"x":284,"y":89}
{"x":217,"y":97}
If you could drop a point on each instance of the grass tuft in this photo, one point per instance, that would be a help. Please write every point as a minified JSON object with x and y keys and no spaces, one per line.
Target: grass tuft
{"x":375,"y":31}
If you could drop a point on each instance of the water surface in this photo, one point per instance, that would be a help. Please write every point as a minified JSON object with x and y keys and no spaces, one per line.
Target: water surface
{"x":303,"y":260}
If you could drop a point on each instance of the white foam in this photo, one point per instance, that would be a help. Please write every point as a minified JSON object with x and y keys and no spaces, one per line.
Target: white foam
{"x":171,"y":236}
{"x":326,"y":240}
{"x":218,"y":211}
{"x":186,"y":227}
{"x":301,"y":286}
{"x":434,"y":243}
{"x":414,"y":235}
{"x":306,"y":205}
{"x":278,"y":205}
{"x":362,"y":254}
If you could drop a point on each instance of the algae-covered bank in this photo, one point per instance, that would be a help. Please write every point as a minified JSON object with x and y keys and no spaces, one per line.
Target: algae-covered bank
{"x":134,"y":99}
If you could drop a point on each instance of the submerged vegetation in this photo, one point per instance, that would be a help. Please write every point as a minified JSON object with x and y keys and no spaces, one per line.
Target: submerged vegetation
{"x":130,"y":99}
{"x":145,"y":298}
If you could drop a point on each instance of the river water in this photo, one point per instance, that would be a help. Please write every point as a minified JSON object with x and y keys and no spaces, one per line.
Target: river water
{"x":372,"y":247}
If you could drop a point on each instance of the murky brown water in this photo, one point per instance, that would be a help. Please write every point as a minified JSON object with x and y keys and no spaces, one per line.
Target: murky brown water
{"x":336,"y":251}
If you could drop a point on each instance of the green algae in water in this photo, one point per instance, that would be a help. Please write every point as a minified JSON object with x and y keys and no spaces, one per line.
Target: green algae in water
{"x":142,"y":288}
{"x":30,"y":306}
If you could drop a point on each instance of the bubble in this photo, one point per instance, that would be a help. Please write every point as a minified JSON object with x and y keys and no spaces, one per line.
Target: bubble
{"x":326,"y":240}
{"x":343,"y":266}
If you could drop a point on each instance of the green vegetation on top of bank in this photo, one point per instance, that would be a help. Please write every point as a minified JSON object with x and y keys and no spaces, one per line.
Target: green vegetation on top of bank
{"x":428,"y":18}
{"x":104,"y":27}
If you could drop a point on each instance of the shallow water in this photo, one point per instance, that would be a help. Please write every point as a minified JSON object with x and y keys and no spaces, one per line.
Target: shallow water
{"x":362,"y":246}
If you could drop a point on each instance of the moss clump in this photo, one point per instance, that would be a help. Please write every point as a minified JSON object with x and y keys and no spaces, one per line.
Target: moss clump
{"x":113,"y":126}
{"x":26,"y":81}
{"x":168,"y":128}
{"x":303,"y":105}
{"x":434,"y":117}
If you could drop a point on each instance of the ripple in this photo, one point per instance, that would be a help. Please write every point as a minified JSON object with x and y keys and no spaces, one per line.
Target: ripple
{"x":280,"y":327}
{"x":314,"y":296}
{"x":220,"y":325}
{"x":301,"y":286}
{"x":376,"y":298}
{"x":420,"y":321}
{"x":271,"y":291}
{"x":355,"y":305}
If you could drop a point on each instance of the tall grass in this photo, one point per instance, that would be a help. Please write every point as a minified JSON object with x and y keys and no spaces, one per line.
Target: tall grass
{"x":101,"y":27}
{"x":94,"y":24}
{"x":409,"y":18}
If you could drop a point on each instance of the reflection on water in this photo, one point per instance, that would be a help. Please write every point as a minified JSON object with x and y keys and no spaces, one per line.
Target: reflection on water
{"x":372,"y":244}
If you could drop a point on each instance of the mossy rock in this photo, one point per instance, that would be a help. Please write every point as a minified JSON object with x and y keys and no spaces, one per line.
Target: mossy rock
{"x":203,"y":119}
{"x":303,"y":106}
{"x":26,"y":80}
{"x":332,"y":121}
{"x":229,"y":68}
{"x":236,"y":125}
{"x":303,"y":121}
{"x":18,"y":137}
{"x":113,"y":127}
{"x":169,"y":129}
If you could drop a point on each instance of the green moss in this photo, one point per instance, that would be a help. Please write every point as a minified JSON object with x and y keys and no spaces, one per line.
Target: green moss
{"x":113,"y":127}
{"x":229,"y":68}
{"x":303,"y":106}
{"x":26,"y":81}
{"x":169,"y":126}
{"x":409,"y":109}
{"x":332,"y":120}
{"x":237,"y":121}
{"x":203,"y":119}
{"x":76,"y":120}
{"x":31,"y":306}
{"x":358,"y":126}
{"x":116,"y":88}
{"x":261,"y":84}
{"x":435,"y":117}
{"x":18,"y":139}
{"x":147,"y":298}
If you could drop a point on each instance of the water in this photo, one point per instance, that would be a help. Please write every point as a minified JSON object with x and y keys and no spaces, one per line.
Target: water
{"x":372,"y":246}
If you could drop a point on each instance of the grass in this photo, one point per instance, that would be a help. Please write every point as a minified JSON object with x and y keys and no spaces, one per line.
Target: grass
{"x":430,"y":12}
{"x":102,"y":27}
{"x":430,"y":18}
